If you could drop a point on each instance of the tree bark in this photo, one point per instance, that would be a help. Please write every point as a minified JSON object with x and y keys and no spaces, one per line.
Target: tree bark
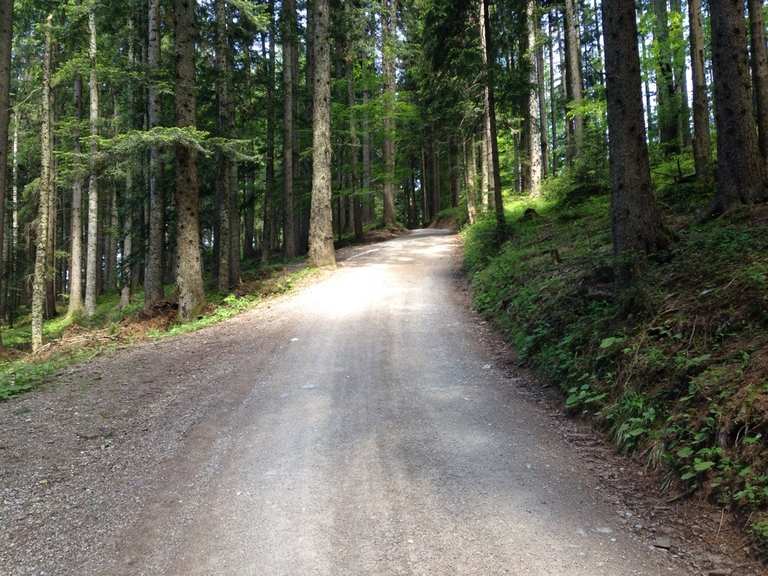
{"x":388,"y":32}
{"x":702,"y":153}
{"x":552,"y":96}
{"x":760,"y":74}
{"x":268,"y":231}
{"x":636,"y":221}
{"x":6,"y":36}
{"x":470,"y":171}
{"x":740,"y":172}
{"x":76,"y":216}
{"x":92,"y":248}
{"x":189,"y":277}
{"x":573,"y":80}
{"x":46,"y":180}
{"x":223,"y":164}
{"x":354,"y":153}
{"x":153,"y":276}
{"x":680,"y":73}
{"x":289,"y":45}
{"x":535,"y":141}
{"x":490,"y":109}
{"x":321,"y":250}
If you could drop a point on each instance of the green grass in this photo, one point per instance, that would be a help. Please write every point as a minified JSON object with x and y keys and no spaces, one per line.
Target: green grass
{"x":24,"y":373}
{"x":675,"y":369}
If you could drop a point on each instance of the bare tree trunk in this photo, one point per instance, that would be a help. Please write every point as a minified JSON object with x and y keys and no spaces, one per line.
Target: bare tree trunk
{"x":453,"y":170}
{"x":234,"y":224}
{"x":573,"y":79}
{"x":92,"y":249}
{"x":702,"y":153}
{"x":542,"y":95}
{"x":470,"y":172}
{"x":189,"y":276}
{"x":126,"y":279}
{"x":740,"y":174}
{"x":46,"y":181}
{"x":485,"y":185}
{"x":321,"y":250}
{"x":552,"y":95}
{"x":369,"y":204}
{"x":388,"y":32}
{"x":357,"y":203}
{"x":223,"y":163}
{"x":268,"y":233}
{"x":289,"y":45}
{"x":6,"y":36}
{"x":637,"y":226}
{"x":76,"y":217}
{"x":680,"y":69}
{"x":533,"y":118}
{"x":490,"y":108}
{"x":437,"y":193}
{"x":760,"y":74}
{"x":153,"y":277}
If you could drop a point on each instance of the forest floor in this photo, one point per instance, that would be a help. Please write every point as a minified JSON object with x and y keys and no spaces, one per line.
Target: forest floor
{"x":368,"y":423}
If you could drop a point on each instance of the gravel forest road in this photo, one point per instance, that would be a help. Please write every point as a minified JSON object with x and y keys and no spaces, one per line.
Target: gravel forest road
{"x":357,"y":427}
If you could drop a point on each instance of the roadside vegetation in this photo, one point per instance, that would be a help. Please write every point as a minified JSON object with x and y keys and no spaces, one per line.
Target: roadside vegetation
{"x":74,"y":339}
{"x":675,"y":367}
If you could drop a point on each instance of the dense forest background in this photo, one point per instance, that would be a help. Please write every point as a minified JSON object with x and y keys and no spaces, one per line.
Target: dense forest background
{"x":608,"y":159}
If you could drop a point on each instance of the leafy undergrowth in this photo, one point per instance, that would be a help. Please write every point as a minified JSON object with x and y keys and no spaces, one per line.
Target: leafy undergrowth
{"x":674,"y":369}
{"x":73,"y":340}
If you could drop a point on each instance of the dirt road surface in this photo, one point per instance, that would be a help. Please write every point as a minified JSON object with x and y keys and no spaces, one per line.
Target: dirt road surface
{"x":358,"y":427}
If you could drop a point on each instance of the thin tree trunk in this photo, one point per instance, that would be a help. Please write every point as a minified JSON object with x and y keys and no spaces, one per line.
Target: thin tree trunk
{"x":535,"y":137}
{"x":702,"y":153}
{"x":189,"y":276}
{"x":453,"y":170}
{"x":490,"y":108}
{"x":153,"y":276}
{"x":740,"y":170}
{"x":223,"y":164}
{"x":552,"y":95}
{"x":485,"y":185}
{"x":46,"y":181}
{"x":367,"y":160}
{"x":542,"y":98}
{"x":268,"y":232}
{"x":470,"y":171}
{"x":76,"y":218}
{"x":6,"y":37}
{"x":388,"y":31}
{"x":760,"y":74}
{"x":321,"y":250}
{"x":92,"y":249}
{"x":636,"y":221}
{"x":681,"y":73}
{"x":289,"y":45}
{"x":357,"y":202}
{"x":573,"y":79}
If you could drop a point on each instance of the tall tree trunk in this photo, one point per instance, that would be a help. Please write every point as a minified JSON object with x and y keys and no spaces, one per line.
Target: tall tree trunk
{"x":223,"y":164}
{"x":760,"y":74}
{"x":490,"y":111}
{"x":668,"y":107}
{"x":367,"y":171}
{"x":357,"y":201}
{"x":437,"y":193}
{"x":153,"y":276}
{"x":534,"y":159}
{"x":92,"y":249}
{"x":126,"y":279}
{"x":573,"y":79}
{"x":680,"y":72}
{"x":6,"y":36}
{"x":702,"y":153}
{"x":189,"y":275}
{"x":388,"y":33}
{"x":289,"y":45}
{"x":46,"y":181}
{"x":552,"y":94}
{"x":637,"y":226}
{"x":542,"y":94}
{"x":485,"y":185}
{"x":321,"y":250}
{"x":234,"y":225}
{"x":268,"y":232}
{"x":453,"y":170}
{"x":76,"y":217}
{"x":740,"y":173}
